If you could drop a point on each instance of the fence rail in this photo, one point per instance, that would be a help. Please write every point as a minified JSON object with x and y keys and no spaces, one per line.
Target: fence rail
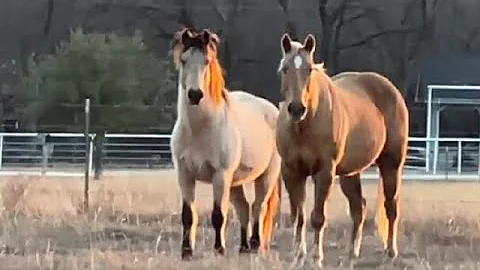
{"x":64,"y":154}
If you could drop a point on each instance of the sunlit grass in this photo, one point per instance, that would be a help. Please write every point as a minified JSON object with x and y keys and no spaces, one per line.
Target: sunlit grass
{"x":134,"y":223}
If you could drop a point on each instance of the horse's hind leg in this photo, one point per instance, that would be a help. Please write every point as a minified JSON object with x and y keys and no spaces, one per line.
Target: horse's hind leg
{"x":256,"y":208}
{"x":266,"y":204}
{"x":352,"y":189}
{"x":390,"y":165}
{"x":189,"y":214}
{"x":242,"y":208}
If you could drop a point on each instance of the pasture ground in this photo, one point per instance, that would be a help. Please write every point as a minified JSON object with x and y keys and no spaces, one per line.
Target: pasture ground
{"x":135,"y":224}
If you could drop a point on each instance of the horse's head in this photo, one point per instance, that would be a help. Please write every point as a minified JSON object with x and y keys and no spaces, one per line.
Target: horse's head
{"x":296,"y":68}
{"x":195,"y":56}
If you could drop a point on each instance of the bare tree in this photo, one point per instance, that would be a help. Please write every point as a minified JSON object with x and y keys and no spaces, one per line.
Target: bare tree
{"x":290,"y":25}
{"x":227,"y":11}
{"x":336,"y":16}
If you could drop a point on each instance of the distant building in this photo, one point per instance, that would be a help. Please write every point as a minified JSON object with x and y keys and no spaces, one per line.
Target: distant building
{"x":448,"y":69}
{"x":453,"y":69}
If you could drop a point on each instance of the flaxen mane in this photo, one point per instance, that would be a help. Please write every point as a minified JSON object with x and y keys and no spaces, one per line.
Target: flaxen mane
{"x":216,"y":88}
{"x":318,"y":77}
{"x":214,"y":78}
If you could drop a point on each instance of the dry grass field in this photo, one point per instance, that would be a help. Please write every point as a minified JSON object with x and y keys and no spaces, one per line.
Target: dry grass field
{"x":135,"y":224}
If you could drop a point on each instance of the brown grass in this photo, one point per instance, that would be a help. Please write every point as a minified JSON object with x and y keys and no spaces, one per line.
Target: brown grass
{"x":134,"y":224}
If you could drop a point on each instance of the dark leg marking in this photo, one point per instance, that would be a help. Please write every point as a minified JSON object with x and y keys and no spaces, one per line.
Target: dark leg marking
{"x":217,"y":222}
{"x":187,"y":221}
{"x":255,"y":239}
{"x":244,"y":248}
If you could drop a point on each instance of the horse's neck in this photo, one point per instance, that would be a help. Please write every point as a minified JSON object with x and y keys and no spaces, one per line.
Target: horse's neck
{"x":323,"y":99}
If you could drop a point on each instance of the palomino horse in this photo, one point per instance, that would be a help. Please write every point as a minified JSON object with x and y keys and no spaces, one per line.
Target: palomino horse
{"x":226,"y":139}
{"x":339,"y":126}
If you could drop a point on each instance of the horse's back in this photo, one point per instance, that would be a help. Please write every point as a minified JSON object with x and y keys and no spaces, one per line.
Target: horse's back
{"x":380,"y":90}
{"x":258,"y":104}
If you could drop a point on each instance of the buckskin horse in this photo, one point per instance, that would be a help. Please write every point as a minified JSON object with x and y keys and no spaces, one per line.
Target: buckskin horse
{"x":339,"y":126}
{"x":226,"y":139}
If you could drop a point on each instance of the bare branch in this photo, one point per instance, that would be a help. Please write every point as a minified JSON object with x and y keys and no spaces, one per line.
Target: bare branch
{"x":371,"y":37}
{"x":48,"y":22}
{"x":322,"y":11}
{"x":346,"y":5}
{"x":143,"y":10}
{"x":365,"y":13}
{"x":227,"y":12}
{"x":284,"y":5}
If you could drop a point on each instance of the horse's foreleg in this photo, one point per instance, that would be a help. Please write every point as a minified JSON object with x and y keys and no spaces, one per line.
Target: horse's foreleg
{"x":323,"y":186}
{"x":352,"y":189}
{"x":221,"y":196}
{"x":189,"y":213}
{"x":295,"y":186}
{"x":242,"y":208}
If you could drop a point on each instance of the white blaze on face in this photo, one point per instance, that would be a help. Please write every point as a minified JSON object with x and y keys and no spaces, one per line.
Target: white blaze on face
{"x":297,"y":61}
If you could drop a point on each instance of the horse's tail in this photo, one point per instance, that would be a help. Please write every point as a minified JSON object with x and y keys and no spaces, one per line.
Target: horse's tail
{"x":381,"y":219}
{"x":271,"y":214}
{"x":278,"y":218}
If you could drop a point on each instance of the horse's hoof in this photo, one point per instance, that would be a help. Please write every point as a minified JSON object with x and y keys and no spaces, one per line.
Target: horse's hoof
{"x":298,"y":261}
{"x":244,"y":249}
{"x":391,"y":253}
{"x":351,"y":262}
{"x":389,"y":257}
{"x":254,"y":245}
{"x":220,"y":251}
{"x":187,"y":254}
{"x":352,"y":255}
{"x":318,"y":262}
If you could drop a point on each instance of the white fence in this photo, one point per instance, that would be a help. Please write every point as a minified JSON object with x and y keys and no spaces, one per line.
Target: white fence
{"x":63,"y":154}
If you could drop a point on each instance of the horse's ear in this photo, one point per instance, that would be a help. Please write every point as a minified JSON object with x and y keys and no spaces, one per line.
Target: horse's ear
{"x":309,"y":43}
{"x":206,"y":36}
{"x":186,"y":36}
{"x":214,"y":38}
{"x":286,"y":43}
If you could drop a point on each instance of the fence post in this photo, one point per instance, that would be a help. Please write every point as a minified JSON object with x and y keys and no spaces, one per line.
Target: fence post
{"x":90,"y":156}
{"x":87,"y":154}
{"x":43,"y":141}
{"x":478,"y":160}
{"x":447,"y":164}
{"x":1,"y":151}
{"x":459,"y":157}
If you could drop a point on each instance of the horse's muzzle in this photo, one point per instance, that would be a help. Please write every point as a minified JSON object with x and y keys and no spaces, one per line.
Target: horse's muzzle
{"x":296,"y":110}
{"x":195,"y":95}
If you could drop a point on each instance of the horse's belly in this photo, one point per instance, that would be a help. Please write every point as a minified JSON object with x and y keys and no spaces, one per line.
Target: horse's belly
{"x":246,"y":174}
{"x":258,"y":146}
{"x":254,"y":161}
{"x":360,"y":153}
